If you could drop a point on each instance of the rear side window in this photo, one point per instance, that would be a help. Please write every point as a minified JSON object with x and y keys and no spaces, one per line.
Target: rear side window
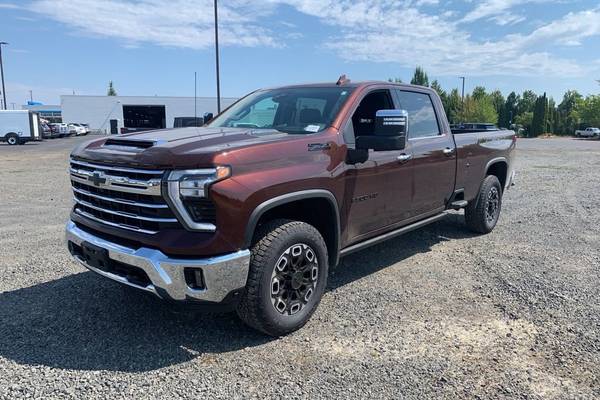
{"x":422,"y":121}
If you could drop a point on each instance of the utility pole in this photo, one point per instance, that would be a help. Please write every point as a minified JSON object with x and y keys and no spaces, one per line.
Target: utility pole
{"x":463,"y":88}
{"x":195,"y":99}
{"x":217,"y":59}
{"x":2,"y":74}
{"x":31,"y":95}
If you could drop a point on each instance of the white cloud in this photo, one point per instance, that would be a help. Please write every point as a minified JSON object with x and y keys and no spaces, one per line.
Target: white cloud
{"x":9,"y":6}
{"x":382,"y":31}
{"x":498,"y":10}
{"x":177,"y":23}
{"x":397,"y":31}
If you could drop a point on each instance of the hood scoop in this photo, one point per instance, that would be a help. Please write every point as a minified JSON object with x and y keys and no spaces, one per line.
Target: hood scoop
{"x":130,"y":143}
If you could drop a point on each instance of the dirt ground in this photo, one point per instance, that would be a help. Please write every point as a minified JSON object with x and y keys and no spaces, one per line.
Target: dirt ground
{"x":438,"y":313}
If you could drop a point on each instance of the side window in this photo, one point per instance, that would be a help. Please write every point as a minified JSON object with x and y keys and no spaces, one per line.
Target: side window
{"x":422,"y":121}
{"x":363,"y":118}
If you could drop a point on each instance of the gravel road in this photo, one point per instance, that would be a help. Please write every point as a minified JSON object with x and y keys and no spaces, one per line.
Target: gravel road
{"x":438,"y":313}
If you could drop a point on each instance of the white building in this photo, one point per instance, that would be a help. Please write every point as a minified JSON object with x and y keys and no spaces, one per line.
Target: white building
{"x":135,"y":112}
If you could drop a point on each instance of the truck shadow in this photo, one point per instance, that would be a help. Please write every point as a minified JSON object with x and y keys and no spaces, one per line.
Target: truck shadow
{"x":369,"y":261}
{"x":85,"y":322}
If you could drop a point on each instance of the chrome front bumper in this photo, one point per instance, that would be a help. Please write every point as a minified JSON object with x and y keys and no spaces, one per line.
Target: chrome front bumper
{"x":221,"y":274}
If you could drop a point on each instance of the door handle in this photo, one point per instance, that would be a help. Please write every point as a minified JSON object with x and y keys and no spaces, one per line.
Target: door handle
{"x":448,"y":151}
{"x":402,"y":158}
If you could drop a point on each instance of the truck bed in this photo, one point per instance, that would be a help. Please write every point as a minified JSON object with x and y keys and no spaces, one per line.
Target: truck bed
{"x":476,"y":150}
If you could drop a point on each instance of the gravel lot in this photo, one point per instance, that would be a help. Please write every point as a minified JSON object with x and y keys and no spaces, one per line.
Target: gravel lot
{"x":438,"y":313}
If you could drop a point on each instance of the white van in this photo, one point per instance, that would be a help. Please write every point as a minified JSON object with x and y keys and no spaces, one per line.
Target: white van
{"x":19,"y":126}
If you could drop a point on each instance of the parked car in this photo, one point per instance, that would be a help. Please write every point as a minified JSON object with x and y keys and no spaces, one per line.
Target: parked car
{"x":19,"y":126}
{"x":64,"y":129}
{"x":79,"y":130}
{"x":588,"y":132}
{"x":251,"y":211}
{"x":46,"y":131}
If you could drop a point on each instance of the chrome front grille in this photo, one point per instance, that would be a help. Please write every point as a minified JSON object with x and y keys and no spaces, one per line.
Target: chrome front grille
{"x":121,"y":197}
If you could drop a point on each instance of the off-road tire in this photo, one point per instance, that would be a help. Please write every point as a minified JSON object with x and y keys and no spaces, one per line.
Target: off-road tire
{"x":271,"y":241}
{"x":12,"y":139}
{"x":477,"y":215}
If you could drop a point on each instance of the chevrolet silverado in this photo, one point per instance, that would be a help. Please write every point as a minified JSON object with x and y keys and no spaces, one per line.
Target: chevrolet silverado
{"x":250,"y":211}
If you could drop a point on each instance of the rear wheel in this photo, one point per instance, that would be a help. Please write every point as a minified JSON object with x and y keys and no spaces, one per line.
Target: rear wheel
{"x":287,"y":278}
{"x":482,"y":213}
{"x":12,"y":139}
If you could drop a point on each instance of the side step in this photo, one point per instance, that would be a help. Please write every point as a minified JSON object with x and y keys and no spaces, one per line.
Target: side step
{"x":458,"y":204}
{"x":392,"y":234}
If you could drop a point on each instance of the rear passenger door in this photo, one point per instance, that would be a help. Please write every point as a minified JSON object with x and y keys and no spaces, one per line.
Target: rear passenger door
{"x":433,"y":151}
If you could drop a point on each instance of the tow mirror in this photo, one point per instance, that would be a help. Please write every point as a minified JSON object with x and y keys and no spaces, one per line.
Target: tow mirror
{"x":391,"y":128}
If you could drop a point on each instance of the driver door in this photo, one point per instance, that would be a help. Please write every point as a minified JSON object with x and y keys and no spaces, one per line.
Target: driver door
{"x":378,"y":190}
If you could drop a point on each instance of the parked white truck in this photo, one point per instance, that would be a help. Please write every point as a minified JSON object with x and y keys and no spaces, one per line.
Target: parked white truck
{"x":19,"y":126}
{"x":588,"y":132}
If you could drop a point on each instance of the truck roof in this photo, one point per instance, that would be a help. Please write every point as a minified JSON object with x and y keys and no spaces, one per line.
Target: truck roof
{"x":353,"y":85}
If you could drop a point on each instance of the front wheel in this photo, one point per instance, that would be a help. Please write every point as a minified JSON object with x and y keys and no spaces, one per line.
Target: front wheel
{"x":12,"y":139}
{"x":287,"y":278}
{"x":482,"y":213}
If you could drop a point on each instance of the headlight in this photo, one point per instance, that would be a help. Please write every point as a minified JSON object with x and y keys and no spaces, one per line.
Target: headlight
{"x":187,"y":187}
{"x":195,"y":182}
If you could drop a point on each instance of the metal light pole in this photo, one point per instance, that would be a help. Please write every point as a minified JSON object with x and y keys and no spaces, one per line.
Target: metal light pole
{"x":31,"y":95}
{"x":195,"y":99}
{"x":2,"y":74}
{"x":217,"y":59}
{"x":463,"y":87}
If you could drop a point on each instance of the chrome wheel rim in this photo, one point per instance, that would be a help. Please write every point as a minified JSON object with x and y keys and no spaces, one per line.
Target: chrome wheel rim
{"x":294,"y":279}
{"x":12,"y":140}
{"x":492,"y":205}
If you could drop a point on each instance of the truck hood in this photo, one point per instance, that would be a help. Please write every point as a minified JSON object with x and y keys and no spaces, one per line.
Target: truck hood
{"x":175,"y":148}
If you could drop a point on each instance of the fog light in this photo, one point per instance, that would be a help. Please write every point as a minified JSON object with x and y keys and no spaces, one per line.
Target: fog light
{"x":194,"y":278}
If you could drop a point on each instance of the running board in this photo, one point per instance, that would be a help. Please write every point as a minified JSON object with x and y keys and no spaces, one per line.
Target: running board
{"x":392,"y":234}
{"x":458,"y":204}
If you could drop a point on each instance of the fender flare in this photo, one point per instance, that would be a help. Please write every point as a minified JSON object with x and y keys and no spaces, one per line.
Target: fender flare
{"x":267,"y":205}
{"x":494,"y":161}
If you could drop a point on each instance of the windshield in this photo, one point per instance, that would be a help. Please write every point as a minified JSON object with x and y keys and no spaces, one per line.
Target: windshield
{"x":291,"y":110}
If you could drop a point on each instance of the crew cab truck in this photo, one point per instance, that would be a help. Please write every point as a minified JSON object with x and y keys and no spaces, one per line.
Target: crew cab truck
{"x":19,"y":127}
{"x":588,"y":132}
{"x":251,"y":211}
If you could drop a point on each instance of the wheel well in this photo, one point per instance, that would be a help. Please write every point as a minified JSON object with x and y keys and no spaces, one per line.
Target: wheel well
{"x":500,"y":170}
{"x":318,"y":212}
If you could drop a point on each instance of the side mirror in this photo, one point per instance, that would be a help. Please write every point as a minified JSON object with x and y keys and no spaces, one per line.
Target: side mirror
{"x":208,"y":117}
{"x":391,"y":128}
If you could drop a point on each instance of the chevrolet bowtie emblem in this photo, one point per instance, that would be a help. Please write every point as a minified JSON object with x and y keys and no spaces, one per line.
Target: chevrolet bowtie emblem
{"x":97,"y":179}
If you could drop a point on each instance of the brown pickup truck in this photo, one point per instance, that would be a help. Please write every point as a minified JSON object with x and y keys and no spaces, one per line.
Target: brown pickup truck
{"x":251,"y":211}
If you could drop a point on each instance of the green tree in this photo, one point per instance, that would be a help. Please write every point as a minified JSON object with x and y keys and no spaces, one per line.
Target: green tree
{"x":509,"y":112}
{"x":111,"y":90}
{"x":420,"y":77}
{"x":524,"y":121}
{"x":527,"y":102}
{"x":479,"y":93}
{"x":478,"y":110}
{"x":590,"y":111}
{"x":539,"y":123}
{"x":567,"y":109}
{"x":498,"y":101}
{"x":453,"y":107}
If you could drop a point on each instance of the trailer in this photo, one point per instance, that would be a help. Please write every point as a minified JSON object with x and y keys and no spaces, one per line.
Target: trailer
{"x":19,"y":126}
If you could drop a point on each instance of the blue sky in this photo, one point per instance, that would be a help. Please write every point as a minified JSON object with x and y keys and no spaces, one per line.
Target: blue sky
{"x":150,"y":47}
